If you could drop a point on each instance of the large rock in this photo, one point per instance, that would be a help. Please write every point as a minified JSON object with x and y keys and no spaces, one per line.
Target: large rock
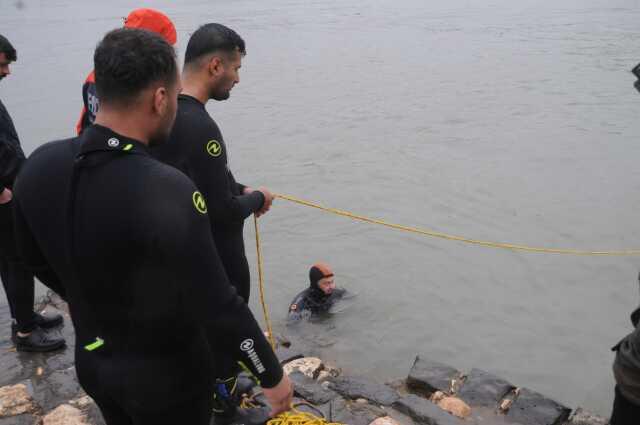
{"x":582,"y":417}
{"x":429,"y":376}
{"x":65,"y":415}
{"x":56,"y":388}
{"x":386,"y":420}
{"x":25,"y":419}
{"x":353,"y":413}
{"x":455,"y":406}
{"x":15,"y":400}
{"x":309,"y":366}
{"x":422,"y":411}
{"x":483,"y":389}
{"x":93,"y":414}
{"x":354,"y":387}
{"x":311,"y":390}
{"x":531,"y":408}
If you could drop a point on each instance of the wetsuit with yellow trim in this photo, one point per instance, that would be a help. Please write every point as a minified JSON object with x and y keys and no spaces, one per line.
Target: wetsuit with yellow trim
{"x":149,"y":298}
{"x":197,"y":148}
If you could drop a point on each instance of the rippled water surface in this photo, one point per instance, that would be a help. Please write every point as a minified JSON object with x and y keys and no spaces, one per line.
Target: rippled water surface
{"x":497,"y":120}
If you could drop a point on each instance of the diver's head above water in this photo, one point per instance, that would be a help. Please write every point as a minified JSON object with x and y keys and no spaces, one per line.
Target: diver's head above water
{"x":321,"y":278}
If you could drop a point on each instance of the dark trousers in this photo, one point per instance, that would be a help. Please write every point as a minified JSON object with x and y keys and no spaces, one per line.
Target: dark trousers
{"x":193,"y":412}
{"x":624,"y":412}
{"x":17,"y":281}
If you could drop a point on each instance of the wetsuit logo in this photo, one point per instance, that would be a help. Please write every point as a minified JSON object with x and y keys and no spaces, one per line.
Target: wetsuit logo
{"x":214,"y":148}
{"x":113,"y":142}
{"x":198,"y":202}
{"x":247,"y":346}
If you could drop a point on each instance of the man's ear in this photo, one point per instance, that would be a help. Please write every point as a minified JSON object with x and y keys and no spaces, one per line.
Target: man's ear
{"x":160,"y":100}
{"x":215,"y":66}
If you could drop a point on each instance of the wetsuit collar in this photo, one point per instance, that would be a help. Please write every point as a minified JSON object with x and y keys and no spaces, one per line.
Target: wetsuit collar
{"x":190,"y":98}
{"x":97,"y":138}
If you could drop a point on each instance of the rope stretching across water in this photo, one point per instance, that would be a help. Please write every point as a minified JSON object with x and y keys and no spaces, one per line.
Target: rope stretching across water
{"x":295,"y":417}
{"x":440,"y":235}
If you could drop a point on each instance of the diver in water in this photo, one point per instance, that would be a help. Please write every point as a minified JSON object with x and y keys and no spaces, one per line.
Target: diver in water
{"x":319,"y":297}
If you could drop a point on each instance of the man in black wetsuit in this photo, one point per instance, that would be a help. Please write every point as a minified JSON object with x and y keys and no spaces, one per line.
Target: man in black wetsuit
{"x":130,"y":238}
{"x":212,"y":62}
{"x":319,"y":297}
{"x":626,"y":367}
{"x":28,"y":327}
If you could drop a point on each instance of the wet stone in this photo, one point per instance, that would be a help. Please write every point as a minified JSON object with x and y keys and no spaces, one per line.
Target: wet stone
{"x":422,"y":411}
{"x":430,"y":376}
{"x":354,"y":387}
{"x":531,"y":408}
{"x":351,"y":413}
{"x":455,"y":406}
{"x":311,"y":390}
{"x":64,"y":415}
{"x":93,"y":414}
{"x":56,"y":388}
{"x":582,"y":417}
{"x":302,"y":405}
{"x":15,"y":400}
{"x":386,"y":420}
{"x":484,"y":389}
{"x":19,"y":420}
{"x":310,"y":366}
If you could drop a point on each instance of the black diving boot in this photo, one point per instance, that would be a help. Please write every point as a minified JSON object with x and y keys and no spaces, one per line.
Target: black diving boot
{"x":38,"y":340}
{"x":226,"y":409}
{"x":48,"y":321}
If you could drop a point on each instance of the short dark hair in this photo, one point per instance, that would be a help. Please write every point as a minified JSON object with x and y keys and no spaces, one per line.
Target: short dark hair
{"x":128,"y":60}
{"x":211,"y":38}
{"x":7,"y":49}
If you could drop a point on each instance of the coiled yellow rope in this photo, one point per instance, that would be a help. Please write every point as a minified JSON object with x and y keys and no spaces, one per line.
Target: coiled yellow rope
{"x":296,"y":417}
{"x":441,"y":235}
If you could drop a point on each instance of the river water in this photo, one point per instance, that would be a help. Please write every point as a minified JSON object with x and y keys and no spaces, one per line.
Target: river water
{"x":497,"y":120}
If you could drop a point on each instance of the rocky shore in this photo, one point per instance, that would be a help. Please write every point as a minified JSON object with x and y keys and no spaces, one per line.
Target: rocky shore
{"x":42,"y":389}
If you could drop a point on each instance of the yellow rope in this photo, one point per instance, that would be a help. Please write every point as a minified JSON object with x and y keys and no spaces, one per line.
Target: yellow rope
{"x":261,"y":286}
{"x":292,"y":417}
{"x":296,"y":417}
{"x":441,"y":235}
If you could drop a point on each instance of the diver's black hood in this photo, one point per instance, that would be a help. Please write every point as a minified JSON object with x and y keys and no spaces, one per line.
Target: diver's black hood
{"x":317,"y":272}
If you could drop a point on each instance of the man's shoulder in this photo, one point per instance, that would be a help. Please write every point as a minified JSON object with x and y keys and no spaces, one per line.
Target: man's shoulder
{"x":299,"y":301}
{"x":192,"y":117}
{"x":53,"y":153}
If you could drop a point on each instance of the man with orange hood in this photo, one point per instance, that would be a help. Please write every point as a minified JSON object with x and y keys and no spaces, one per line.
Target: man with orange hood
{"x":146,"y":19}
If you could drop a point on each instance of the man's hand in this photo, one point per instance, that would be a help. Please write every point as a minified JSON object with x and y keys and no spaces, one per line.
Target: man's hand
{"x":268,"y":200}
{"x":6,"y":196}
{"x":280,"y":396}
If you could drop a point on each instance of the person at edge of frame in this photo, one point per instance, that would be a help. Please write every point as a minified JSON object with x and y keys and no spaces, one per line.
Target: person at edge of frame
{"x":149,"y":298}
{"x":213,"y":58}
{"x":29,"y":329}
{"x":626,"y":366}
{"x":626,"y":371}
